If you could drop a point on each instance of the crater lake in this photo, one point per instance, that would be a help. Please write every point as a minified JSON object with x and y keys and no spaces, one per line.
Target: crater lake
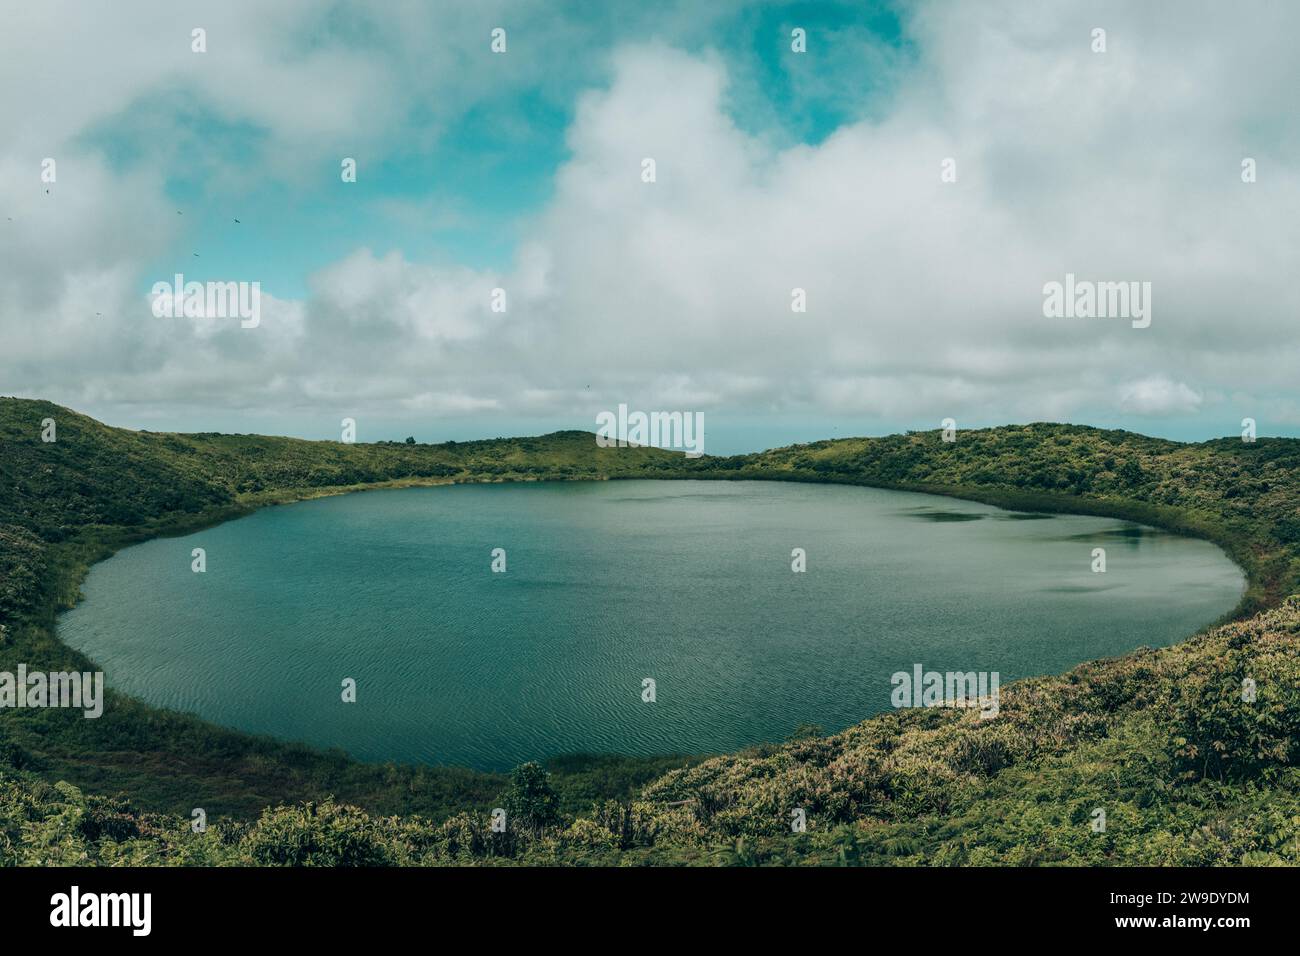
{"x":607,"y":584}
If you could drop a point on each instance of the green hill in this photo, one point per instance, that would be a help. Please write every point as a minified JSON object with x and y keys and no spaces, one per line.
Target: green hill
{"x":1185,"y":770}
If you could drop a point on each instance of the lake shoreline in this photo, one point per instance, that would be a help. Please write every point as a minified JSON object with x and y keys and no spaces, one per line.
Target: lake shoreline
{"x":988,"y":621}
{"x":162,"y":759}
{"x":1139,"y":512}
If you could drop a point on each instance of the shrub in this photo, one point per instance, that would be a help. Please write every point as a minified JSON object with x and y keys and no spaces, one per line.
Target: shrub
{"x":313,"y":834}
{"x":530,"y":802}
{"x":1220,"y":735}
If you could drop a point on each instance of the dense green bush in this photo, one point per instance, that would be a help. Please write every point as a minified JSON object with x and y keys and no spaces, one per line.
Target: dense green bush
{"x":1224,"y":732}
{"x":319,"y":835}
{"x":531,"y":803}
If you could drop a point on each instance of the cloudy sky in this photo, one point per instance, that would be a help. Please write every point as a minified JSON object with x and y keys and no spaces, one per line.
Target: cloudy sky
{"x":775,"y":170}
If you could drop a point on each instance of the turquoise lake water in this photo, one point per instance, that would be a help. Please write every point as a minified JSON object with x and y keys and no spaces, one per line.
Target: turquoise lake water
{"x":688,"y":583}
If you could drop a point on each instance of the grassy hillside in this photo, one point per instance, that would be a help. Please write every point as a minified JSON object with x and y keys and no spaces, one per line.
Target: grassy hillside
{"x":1161,"y":740}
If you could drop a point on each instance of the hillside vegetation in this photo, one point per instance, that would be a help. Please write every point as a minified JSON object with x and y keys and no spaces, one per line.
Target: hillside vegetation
{"x":1184,"y":769}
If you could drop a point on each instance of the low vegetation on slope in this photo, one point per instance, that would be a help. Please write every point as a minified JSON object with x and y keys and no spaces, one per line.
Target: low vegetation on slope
{"x":1161,"y":746}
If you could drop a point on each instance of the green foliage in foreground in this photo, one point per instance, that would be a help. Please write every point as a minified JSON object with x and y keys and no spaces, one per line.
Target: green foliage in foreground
{"x":1185,"y":770}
